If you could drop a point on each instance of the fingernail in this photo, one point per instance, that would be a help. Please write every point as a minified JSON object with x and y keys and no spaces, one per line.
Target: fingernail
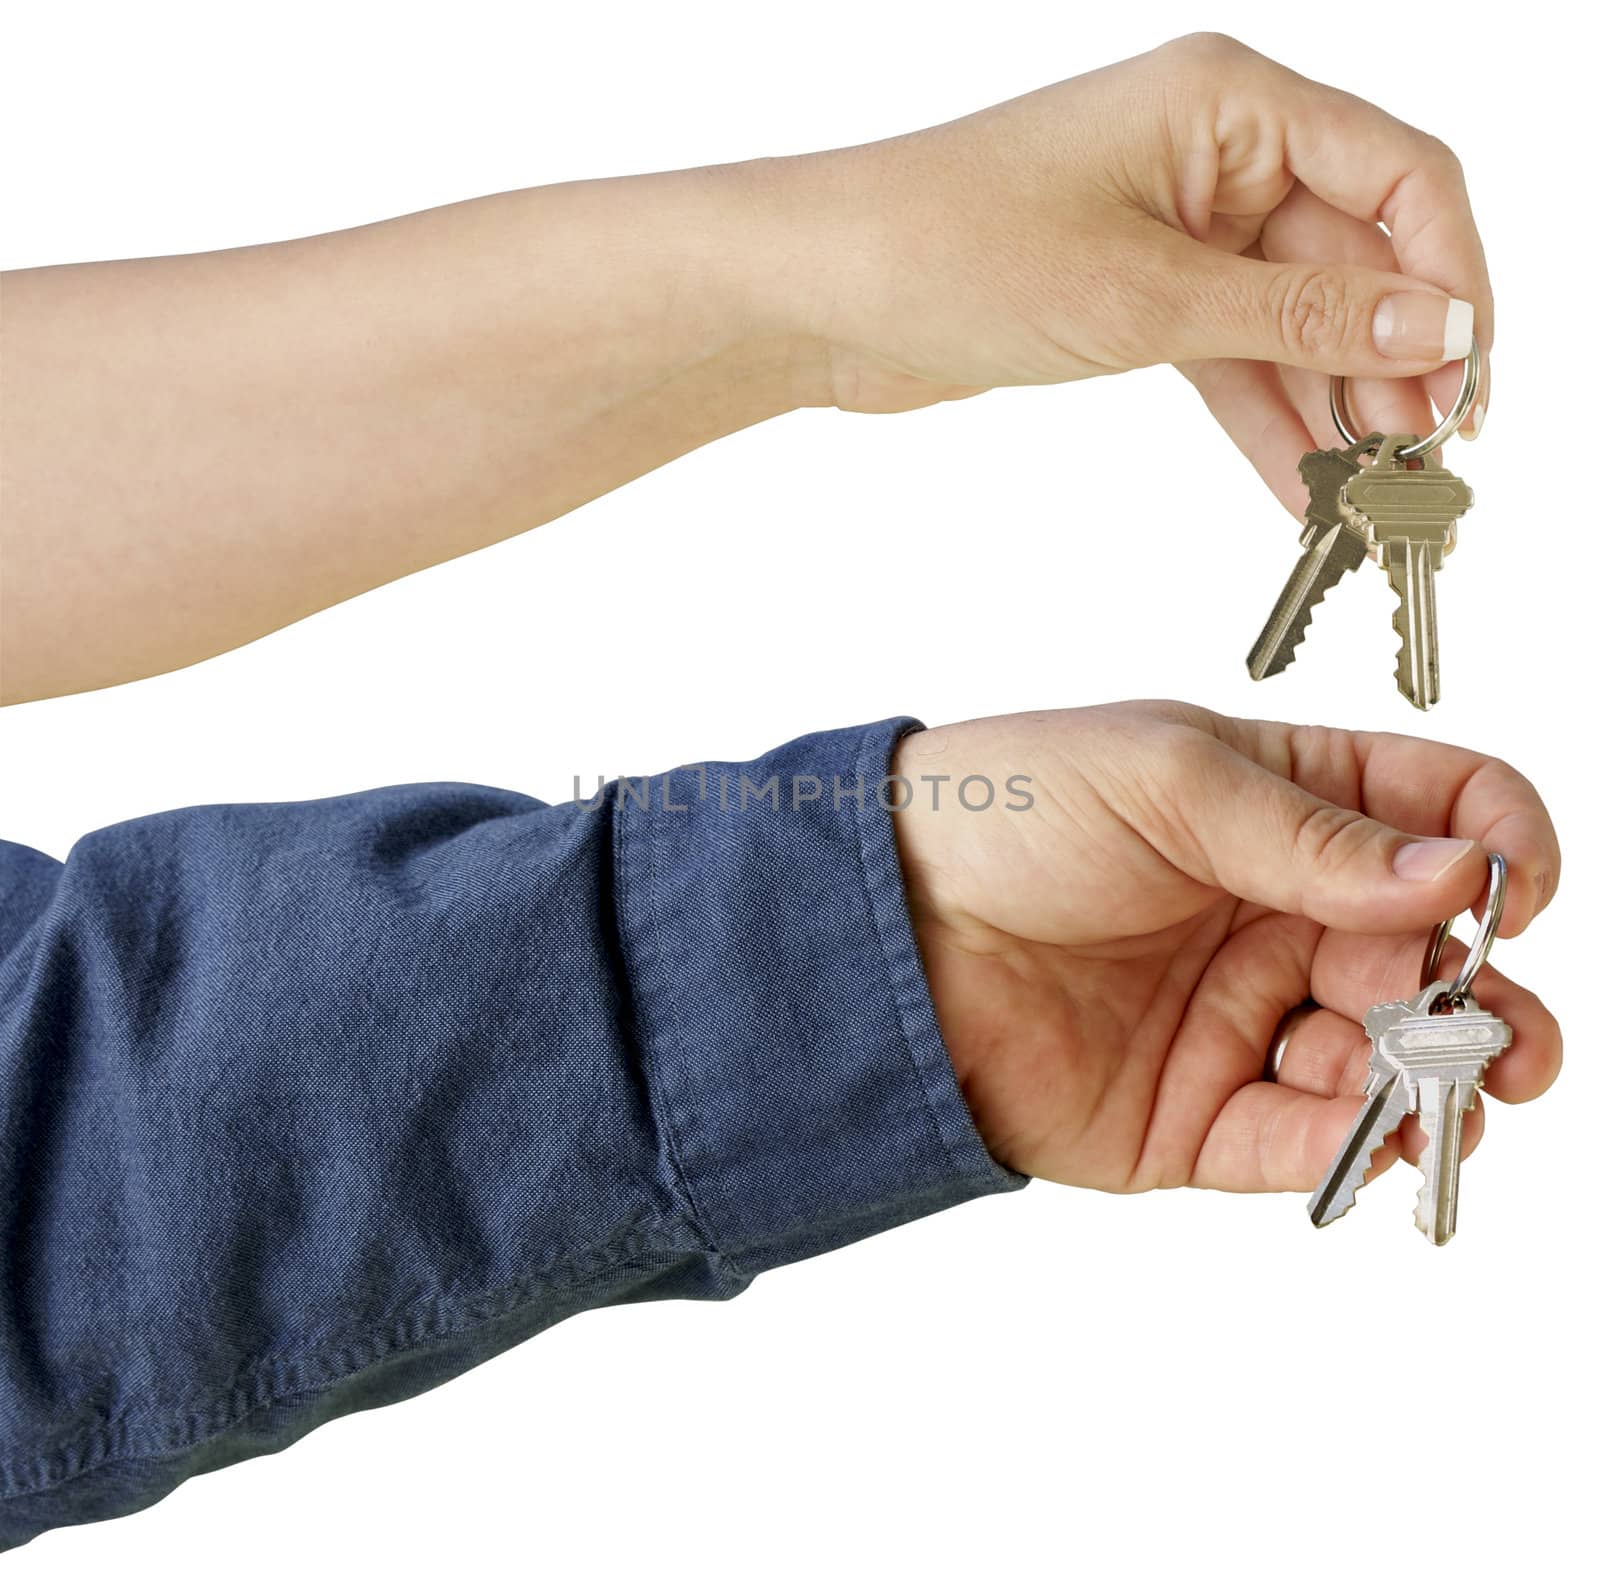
{"x":1480,"y":407}
{"x":1416,"y":325}
{"x":1429,"y":858}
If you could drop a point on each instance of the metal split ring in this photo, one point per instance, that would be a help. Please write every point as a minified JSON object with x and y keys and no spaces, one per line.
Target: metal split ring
{"x":1445,"y":429}
{"x":1481,"y":943}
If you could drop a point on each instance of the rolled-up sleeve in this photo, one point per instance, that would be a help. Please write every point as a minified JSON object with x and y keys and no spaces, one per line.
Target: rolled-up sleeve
{"x":306,"y":1108}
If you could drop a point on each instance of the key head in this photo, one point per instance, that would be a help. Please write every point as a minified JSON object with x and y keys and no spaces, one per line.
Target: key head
{"x":1325,"y":469}
{"x":1385,"y":1017}
{"x":1427,"y":1037}
{"x":1325,"y":472}
{"x":1398,"y":504}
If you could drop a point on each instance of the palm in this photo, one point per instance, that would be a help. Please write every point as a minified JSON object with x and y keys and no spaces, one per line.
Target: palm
{"x":1069,"y":1048}
{"x":1112,"y":1068}
{"x":1078,"y":1003}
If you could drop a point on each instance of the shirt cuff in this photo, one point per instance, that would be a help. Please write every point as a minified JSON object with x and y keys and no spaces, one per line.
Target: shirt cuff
{"x":795,"y":1063}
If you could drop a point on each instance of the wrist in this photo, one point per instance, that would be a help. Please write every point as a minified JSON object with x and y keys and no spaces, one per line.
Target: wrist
{"x":662,"y":288}
{"x":810,"y":261}
{"x":747,"y":271}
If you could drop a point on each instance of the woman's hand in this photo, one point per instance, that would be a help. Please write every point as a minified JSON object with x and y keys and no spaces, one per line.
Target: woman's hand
{"x":1200,"y":205}
{"x":1109,"y":965}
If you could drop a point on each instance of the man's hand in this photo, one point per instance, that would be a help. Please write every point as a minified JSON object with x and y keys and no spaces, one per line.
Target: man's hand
{"x":1199,"y":204}
{"x":1109,"y":965}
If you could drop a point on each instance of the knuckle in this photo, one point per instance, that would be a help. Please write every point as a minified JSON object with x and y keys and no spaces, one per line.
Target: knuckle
{"x":1324,"y":760}
{"x":1439,"y":153}
{"x":1315,"y":312}
{"x":1181,"y":755}
{"x":1206,"y":47}
{"x":1169,"y":711}
{"x":1332,"y":836}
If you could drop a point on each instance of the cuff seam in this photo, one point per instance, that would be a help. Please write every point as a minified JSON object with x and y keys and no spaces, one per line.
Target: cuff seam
{"x":883,"y":883}
{"x":658,"y":985}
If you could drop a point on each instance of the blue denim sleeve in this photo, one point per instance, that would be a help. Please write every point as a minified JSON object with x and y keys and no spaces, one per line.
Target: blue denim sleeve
{"x":307,"y":1108}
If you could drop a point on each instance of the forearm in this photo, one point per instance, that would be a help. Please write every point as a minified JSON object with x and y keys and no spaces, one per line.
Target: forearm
{"x":339,"y":1099}
{"x":197,"y":450}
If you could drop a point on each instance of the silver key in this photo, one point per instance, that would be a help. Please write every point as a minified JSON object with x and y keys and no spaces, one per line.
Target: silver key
{"x":1388,"y":1100}
{"x":1425,"y":1060}
{"x":1410,"y":515}
{"x":1334,"y":545}
{"x":1448,"y":1060}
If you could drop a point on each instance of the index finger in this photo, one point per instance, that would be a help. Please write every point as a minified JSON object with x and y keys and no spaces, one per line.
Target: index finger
{"x":1425,"y":787}
{"x":1410,"y":782}
{"x":1366,"y":163}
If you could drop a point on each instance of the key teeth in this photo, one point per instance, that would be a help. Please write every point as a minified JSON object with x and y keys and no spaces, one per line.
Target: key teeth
{"x":1346,"y":1198}
{"x":1420,"y":1213}
{"x":1425,"y":1222}
{"x":1403,"y":664}
{"x":1293,"y":637}
{"x":1322,"y":564}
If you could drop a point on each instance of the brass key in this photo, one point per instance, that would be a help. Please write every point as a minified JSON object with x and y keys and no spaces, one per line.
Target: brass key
{"x":1333,"y":547}
{"x":1410,"y":508}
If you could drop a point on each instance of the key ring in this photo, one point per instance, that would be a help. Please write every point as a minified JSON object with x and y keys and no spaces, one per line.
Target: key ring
{"x":1445,"y":429}
{"x":1481,"y":943}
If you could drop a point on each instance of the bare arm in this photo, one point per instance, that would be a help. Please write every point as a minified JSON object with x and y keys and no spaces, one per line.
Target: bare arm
{"x":195,"y":450}
{"x":238,"y":439}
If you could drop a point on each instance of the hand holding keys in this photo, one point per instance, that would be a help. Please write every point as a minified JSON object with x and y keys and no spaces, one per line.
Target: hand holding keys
{"x":1429,"y":1056}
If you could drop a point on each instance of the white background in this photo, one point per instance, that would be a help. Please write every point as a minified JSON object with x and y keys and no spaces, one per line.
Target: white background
{"x":1189,"y":1382}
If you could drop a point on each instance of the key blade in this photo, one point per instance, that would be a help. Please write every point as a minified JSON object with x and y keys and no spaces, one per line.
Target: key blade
{"x":1444,"y":1056}
{"x":1378,"y":1118}
{"x":1411,"y":575}
{"x":1331,"y":554}
{"x":1441,"y":1103}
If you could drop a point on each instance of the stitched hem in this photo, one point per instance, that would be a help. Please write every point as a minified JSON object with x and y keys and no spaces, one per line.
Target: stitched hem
{"x":652,"y":984}
{"x":287,"y":1379}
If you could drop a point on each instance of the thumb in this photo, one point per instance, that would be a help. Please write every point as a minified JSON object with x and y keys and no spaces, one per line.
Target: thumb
{"x":1269,"y":841}
{"x":1328,"y":317}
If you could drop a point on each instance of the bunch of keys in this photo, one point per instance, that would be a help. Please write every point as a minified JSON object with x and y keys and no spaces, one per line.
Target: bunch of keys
{"x":1429,"y":1056}
{"x":1401,"y":509}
